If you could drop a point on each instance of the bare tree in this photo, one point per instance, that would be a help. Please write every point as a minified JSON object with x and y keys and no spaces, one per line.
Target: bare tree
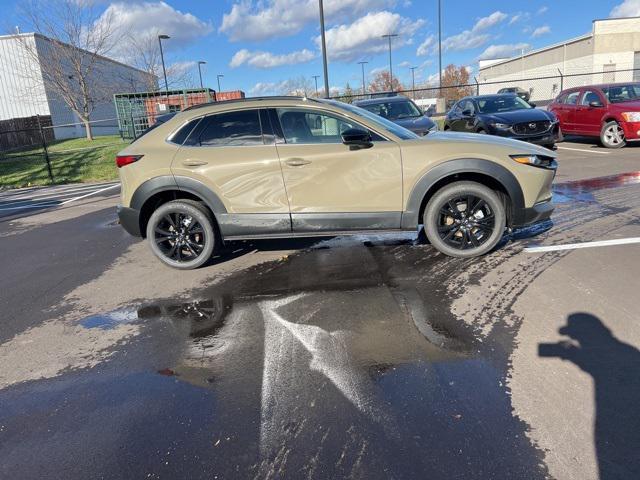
{"x":73,"y":39}
{"x":299,"y":86}
{"x":382,"y":83}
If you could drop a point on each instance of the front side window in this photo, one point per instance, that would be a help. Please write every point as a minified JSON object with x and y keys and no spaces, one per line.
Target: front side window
{"x":232,"y":129}
{"x":304,"y":126}
{"x":590,"y":96}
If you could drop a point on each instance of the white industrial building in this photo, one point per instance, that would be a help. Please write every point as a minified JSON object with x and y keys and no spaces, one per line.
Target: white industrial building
{"x":610,"y":53}
{"x":24,"y":92}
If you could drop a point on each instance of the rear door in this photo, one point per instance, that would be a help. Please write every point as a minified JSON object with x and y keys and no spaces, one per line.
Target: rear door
{"x":330,"y":186}
{"x":569,"y":111}
{"x":588,"y":119}
{"x":236,"y":159}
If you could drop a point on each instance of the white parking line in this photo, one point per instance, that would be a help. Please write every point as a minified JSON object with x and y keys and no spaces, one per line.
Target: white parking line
{"x":583,"y":150}
{"x":89,"y":194}
{"x":574,"y":246}
{"x":55,"y":204}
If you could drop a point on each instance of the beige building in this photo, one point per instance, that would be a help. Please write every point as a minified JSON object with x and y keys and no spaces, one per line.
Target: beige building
{"x":610,"y":53}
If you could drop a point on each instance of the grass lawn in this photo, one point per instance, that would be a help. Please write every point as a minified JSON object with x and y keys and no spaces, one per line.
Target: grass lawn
{"x":73,"y":160}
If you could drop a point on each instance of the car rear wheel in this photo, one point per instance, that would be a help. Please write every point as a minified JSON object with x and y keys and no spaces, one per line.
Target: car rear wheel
{"x":612,"y":135}
{"x":181,"y":233}
{"x":464,"y":219}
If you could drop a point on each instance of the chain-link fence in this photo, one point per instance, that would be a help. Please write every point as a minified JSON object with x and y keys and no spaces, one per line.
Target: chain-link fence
{"x":542,"y":89}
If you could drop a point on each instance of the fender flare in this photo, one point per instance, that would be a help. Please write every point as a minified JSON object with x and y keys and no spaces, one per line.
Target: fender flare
{"x":410,"y":217}
{"x":166,"y":183}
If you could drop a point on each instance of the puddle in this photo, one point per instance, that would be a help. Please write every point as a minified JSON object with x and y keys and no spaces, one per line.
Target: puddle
{"x":583,"y":190}
{"x":111,"y":320}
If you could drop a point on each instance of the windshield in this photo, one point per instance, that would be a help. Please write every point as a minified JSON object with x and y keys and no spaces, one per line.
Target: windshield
{"x":622,"y":93}
{"x":382,"y":123}
{"x":394,"y":110}
{"x":502,"y":104}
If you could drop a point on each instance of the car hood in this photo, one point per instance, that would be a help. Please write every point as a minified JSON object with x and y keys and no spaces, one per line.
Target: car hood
{"x":626,"y":106}
{"x":475,"y":142}
{"x":419,"y":124}
{"x":517,"y":116}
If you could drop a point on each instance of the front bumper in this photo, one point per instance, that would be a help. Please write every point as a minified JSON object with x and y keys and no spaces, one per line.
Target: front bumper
{"x":129,"y":219}
{"x":631,"y":130}
{"x":539,"y":212}
{"x":550,"y":137}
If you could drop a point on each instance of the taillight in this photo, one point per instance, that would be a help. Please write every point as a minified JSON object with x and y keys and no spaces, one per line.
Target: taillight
{"x":122,"y":160}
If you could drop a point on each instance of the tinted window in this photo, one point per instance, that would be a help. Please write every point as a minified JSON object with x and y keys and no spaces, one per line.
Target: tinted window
{"x":572,"y":98}
{"x":622,"y":93}
{"x":505,"y":103}
{"x":181,"y":135}
{"x":233,"y":129}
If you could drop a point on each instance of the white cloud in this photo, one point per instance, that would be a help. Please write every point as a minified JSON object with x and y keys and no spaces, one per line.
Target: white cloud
{"x":503,"y":51}
{"x":363,"y":36}
{"x":148,"y":19}
{"x":628,"y":8}
{"x":254,"y":20}
{"x":475,"y":37}
{"x":542,"y":10}
{"x":404,"y":64}
{"x":519,"y":17}
{"x":265,"y":88}
{"x":538,"y":32}
{"x":270,"y":60}
{"x":426,"y":46}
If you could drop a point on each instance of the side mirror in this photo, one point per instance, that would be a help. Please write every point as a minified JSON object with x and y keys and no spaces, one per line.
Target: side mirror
{"x":467,"y":113}
{"x":533,"y":105}
{"x":357,"y":138}
{"x":596,"y":104}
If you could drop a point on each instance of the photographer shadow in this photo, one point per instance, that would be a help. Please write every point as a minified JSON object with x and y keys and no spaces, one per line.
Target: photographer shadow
{"x":615,"y":369}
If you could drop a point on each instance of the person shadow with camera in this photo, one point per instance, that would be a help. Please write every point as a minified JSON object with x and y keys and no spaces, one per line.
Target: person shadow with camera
{"x":615,"y":368}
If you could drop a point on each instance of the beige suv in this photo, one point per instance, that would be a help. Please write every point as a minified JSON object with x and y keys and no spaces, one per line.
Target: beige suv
{"x":296,"y":167}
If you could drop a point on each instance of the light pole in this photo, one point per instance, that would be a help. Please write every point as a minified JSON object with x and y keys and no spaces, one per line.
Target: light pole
{"x":413,"y":81}
{"x":315,"y":78}
{"x":201,"y":62}
{"x":440,"y":43}
{"x":324,"y":51}
{"x":219,"y":77}
{"x":364,"y":85}
{"x":164,"y":70}
{"x":389,"y":36}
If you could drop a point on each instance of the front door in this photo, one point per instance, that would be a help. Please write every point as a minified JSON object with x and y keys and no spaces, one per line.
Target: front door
{"x":588,"y":119}
{"x":331,"y":187}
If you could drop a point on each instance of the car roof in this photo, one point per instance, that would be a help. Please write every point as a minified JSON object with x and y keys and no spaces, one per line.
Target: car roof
{"x":599,"y":85}
{"x":374,"y":101}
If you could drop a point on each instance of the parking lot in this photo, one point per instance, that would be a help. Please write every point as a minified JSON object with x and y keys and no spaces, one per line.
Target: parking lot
{"x":356,"y":357}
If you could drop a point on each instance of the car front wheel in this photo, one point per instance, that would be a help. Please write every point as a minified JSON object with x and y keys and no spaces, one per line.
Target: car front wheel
{"x":181,"y":233}
{"x":612,"y":135}
{"x":464,"y":219}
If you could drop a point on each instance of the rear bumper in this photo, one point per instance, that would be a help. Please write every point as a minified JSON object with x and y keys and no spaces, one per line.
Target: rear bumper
{"x":539,"y":212}
{"x":130,"y":220}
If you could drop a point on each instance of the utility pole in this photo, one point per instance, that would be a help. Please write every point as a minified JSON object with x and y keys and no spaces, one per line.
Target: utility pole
{"x":219,"y":77}
{"x":324,"y":51}
{"x":413,"y":81}
{"x":440,"y":43}
{"x":201,"y":62}
{"x":364,"y":84}
{"x":389,"y":36}
{"x":315,"y":78}
{"x":164,"y":70}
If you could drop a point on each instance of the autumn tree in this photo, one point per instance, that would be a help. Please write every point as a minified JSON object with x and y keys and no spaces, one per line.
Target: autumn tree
{"x":455,"y":83}
{"x":382,"y":83}
{"x":348,"y":94}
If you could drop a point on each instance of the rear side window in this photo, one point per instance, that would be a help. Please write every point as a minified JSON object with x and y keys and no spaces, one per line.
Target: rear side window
{"x":181,"y":135}
{"x":232,"y":129}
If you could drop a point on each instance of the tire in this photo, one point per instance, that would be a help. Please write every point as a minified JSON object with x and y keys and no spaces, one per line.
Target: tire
{"x":612,"y":135}
{"x":460,"y":234}
{"x":179,"y":245}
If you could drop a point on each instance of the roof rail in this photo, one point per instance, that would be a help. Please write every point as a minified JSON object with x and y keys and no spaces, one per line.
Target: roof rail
{"x":247,"y":99}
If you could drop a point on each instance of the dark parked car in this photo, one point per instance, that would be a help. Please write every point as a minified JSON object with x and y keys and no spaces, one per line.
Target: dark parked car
{"x":400,"y":110}
{"x":611,"y":112}
{"x":521,"y":92}
{"x":505,"y":115}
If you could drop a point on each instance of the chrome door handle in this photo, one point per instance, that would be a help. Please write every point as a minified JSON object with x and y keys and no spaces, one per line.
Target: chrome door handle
{"x":297,"y":162}
{"x":194,"y":163}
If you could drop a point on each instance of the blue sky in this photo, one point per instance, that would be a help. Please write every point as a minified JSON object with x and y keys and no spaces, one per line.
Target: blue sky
{"x":257,"y":45}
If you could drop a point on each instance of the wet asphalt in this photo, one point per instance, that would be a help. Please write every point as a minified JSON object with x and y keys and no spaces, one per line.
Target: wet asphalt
{"x":342,"y":358}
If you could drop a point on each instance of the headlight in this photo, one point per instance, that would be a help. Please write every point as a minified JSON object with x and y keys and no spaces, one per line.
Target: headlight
{"x":631,"y":116}
{"x":501,"y":126}
{"x":535,"y":160}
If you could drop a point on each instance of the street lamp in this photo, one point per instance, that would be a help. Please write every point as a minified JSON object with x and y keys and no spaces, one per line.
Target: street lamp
{"x":316,"y":77}
{"x":201,"y":62}
{"x":324,"y":51}
{"x":413,"y":81}
{"x":219,"y":77}
{"x":389,"y":36}
{"x":364,"y":85}
{"x":440,"y":43}
{"x":164,"y":70}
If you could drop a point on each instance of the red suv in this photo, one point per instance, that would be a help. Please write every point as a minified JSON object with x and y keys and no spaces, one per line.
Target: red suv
{"x":610,"y":111}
